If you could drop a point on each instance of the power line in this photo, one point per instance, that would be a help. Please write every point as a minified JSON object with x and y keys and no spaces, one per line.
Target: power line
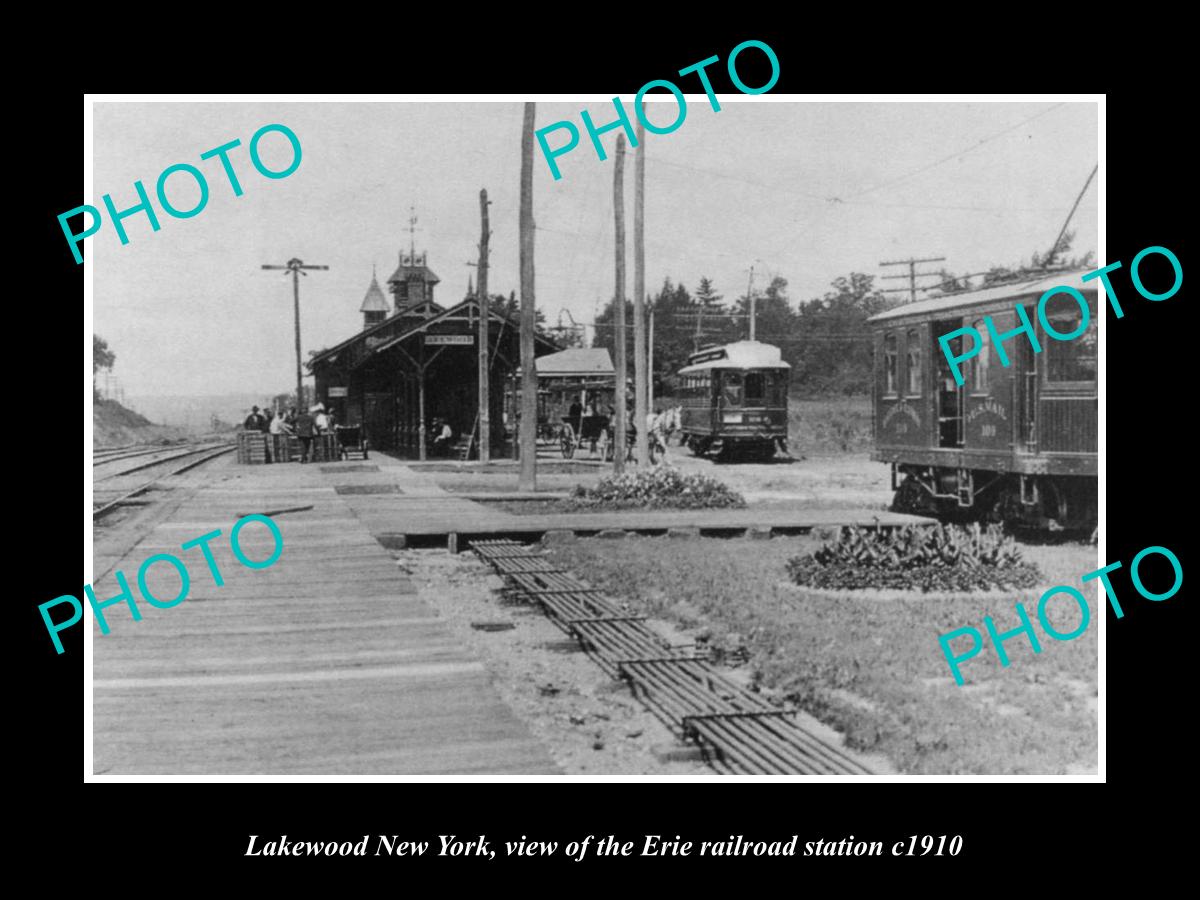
{"x":956,"y":155}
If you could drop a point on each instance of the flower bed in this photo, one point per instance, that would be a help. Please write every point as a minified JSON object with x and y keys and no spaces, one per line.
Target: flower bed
{"x":663,"y":487}
{"x":941,"y":558}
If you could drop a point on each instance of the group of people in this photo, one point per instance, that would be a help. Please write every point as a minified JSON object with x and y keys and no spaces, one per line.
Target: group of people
{"x":659,"y":425}
{"x":304,"y":425}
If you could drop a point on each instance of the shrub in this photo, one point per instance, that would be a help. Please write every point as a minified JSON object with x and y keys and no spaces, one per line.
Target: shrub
{"x":940,"y":558}
{"x":659,"y":488}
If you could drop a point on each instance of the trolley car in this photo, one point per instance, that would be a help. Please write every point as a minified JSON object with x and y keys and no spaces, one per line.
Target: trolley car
{"x":1014,"y":443}
{"x":734,"y":400}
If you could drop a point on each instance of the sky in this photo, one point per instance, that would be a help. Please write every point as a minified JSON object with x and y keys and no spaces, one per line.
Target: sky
{"x":804,"y":190}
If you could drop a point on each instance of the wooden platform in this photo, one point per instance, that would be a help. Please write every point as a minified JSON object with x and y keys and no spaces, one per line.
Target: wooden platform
{"x":400,"y":501}
{"x":326,"y":663}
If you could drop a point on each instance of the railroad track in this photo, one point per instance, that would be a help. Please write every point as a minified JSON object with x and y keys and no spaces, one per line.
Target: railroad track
{"x":161,"y":456}
{"x":208,"y":453}
{"x":739,"y":730}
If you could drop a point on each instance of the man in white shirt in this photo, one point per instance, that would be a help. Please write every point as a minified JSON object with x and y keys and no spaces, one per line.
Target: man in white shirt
{"x":321,"y":420}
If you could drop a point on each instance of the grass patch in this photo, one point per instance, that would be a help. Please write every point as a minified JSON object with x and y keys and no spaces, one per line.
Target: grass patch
{"x":871,"y":666}
{"x":829,"y":426}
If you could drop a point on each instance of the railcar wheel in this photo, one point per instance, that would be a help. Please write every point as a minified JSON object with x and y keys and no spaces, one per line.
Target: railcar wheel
{"x":911,"y":498}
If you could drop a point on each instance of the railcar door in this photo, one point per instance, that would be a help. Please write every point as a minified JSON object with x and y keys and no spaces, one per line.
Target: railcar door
{"x":1027,"y":397}
{"x":949,"y":394}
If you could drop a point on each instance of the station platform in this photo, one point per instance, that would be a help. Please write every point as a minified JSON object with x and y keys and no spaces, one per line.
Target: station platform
{"x":326,"y":663}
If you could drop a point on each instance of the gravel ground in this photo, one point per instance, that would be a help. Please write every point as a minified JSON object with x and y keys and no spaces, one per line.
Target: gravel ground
{"x":589,"y":722}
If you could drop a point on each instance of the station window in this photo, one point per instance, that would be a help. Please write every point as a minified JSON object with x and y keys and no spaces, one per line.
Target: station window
{"x":912,"y":364}
{"x":1073,"y":360}
{"x":889,"y":364}
{"x":980,"y":364}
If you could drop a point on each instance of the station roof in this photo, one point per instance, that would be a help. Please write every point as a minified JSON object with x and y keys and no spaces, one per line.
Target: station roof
{"x":394,"y":330}
{"x":576,"y":363}
{"x":738,"y":355}
{"x":1012,"y":290}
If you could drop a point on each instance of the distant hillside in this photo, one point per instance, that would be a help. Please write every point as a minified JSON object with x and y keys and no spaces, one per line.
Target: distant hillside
{"x":115,"y":426}
{"x":195,"y":413}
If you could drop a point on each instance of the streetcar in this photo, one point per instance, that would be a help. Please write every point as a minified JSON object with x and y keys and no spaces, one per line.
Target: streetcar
{"x":1014,"y":443}
{"x":734,"y":401}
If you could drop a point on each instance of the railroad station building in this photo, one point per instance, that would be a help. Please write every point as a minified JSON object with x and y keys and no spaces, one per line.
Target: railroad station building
{"x":414,"y":360}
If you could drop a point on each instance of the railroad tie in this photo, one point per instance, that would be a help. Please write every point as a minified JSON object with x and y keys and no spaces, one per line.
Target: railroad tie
{"x":738,"y":730}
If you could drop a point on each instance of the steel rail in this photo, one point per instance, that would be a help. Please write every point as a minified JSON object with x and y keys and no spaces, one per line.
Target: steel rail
{"x":191,"y":464}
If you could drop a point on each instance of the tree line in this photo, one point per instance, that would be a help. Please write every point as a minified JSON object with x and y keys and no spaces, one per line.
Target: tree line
{"x":825,"y":339}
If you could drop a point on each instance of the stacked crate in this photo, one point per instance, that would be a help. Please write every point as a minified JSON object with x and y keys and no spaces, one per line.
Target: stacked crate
{"x":285,"y":448}
{"x":252,"y":447}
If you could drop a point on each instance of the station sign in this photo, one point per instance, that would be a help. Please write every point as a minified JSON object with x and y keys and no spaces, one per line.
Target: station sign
{"x":449,"y":340}
{"x":337,"y":392}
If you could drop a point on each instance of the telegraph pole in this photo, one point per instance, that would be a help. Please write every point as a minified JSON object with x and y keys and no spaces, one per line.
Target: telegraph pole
{"x":619,"y":307}
{"x":528,"y":424}
{"x":912,"y":275}
{"x":640,"y":412}
{"x":650,"y":362}
{"x":485,"y":430}
{"x":297,"y":267}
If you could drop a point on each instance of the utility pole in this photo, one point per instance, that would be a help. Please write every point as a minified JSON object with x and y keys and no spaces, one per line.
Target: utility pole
{"x":485,"y":430}
{"x":650,"y":362}
{"x":297,"y":268}
{"x":528,"y":424}
{"x":640,"y":412}
{"x":912,"y":275}
{"x":619,"y":447}
{"x":750,"y":301}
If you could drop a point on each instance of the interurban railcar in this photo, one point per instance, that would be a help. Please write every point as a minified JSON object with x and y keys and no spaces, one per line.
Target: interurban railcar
{"x":734,"y":398}
{"x":1012,"y":443}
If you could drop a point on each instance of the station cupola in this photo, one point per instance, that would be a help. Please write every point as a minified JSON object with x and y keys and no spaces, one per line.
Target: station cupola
{"x":374,"y":307}
{"x":413,"y":281}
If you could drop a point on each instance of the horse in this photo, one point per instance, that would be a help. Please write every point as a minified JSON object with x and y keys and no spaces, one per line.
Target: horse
{"x":669,"y":422}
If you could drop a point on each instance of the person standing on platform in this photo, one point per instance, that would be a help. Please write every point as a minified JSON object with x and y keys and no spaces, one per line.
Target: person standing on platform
{"x":280,"y":425}
{"x":305,"y":426}
{"x":322,"y":420}
{"x":255,"y":421}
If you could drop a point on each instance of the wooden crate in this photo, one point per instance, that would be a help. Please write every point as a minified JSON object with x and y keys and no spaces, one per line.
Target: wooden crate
{"x":285,"y":448}
{"x":252,"y":448}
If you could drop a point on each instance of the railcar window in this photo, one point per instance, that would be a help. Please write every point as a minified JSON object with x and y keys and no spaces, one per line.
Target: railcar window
{"x":912,"y":364}
{"x":889,"y":364}
{"x":980,"y":364}
{"x":1073,"y":360}
{"x":756,"y":389}
{"x":732,"y":384}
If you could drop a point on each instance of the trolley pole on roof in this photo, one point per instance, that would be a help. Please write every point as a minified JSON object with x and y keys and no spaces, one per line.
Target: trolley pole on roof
{"x":297,"y":267}
{"x":619,"y":447}
{"x":640,"y":410}
{"x":749,"y":302}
